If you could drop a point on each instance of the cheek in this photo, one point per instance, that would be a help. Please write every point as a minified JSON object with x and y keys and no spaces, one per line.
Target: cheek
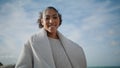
{"x":44,"y":23}
{"x":58,"y":21}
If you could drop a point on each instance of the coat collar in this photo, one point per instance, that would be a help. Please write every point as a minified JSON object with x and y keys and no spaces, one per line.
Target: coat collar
{"x":43,"y":39}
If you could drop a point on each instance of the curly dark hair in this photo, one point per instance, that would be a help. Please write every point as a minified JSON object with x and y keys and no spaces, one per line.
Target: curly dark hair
{"x":41,"y":16}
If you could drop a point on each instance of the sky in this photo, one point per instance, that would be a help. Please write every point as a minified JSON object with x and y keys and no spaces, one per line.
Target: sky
{"x":93,"y":24}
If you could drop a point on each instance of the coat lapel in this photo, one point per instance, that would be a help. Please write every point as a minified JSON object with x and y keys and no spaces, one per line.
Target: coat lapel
{"x":43,"y":50}
{"x":66,"y":46}
{"x":74,"y":52}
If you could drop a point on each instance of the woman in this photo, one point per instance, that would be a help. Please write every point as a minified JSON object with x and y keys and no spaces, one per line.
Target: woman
{"x":49,"y":48}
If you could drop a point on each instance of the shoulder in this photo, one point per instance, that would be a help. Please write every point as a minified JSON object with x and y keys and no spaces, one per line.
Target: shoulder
{"x":74,"y":45}
{"x":69,"y":43}
{"x":36,"y":36}
{"x":29,"y":41}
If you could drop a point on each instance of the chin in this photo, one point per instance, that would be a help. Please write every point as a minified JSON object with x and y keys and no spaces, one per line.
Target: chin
{"x":52,"y":31}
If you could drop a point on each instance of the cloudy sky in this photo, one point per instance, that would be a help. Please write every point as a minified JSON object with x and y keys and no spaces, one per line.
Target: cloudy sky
{"x":93,"y":24}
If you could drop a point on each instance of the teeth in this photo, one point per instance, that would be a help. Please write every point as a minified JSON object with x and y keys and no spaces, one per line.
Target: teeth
{"x":51,"y":25}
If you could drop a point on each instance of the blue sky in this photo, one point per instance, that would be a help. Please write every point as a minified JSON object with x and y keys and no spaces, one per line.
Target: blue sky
{"x":93,"y":24}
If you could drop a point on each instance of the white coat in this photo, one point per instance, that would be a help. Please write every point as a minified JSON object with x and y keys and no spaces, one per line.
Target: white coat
{"x":37,"y":52}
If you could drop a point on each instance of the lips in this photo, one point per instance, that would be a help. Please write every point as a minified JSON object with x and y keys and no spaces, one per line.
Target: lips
{"x":52,"y":28}
{"x":52,"y":25}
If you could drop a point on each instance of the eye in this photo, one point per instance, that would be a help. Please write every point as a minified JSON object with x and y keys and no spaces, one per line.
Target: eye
{"x":47,"y":18}
{"x":55,"y":17}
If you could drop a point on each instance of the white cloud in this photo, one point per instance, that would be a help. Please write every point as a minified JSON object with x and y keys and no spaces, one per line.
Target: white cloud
{"x":114,"y":43}
{"x":71,"y":31}
{"x":15,"y":28}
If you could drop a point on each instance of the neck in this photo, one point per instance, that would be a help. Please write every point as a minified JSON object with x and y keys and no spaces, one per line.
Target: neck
{"x":53,"y":35}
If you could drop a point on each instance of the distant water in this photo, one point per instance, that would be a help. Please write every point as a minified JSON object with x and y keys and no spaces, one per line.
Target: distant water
{"x":103,"y":67}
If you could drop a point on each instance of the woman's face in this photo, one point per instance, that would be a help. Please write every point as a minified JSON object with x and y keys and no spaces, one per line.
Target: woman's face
{"x":50,"y":20}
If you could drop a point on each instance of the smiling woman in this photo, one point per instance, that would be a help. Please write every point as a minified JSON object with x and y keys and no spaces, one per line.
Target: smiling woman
{"x":49,"y":48}
{"x":50,"y":20}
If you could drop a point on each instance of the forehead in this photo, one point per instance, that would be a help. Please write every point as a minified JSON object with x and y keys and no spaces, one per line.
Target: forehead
{"x":49,"y":12}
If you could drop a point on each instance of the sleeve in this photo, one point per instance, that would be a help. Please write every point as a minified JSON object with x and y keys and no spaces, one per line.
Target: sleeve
{"x":25,"y":58}
{"x":84,"y":62}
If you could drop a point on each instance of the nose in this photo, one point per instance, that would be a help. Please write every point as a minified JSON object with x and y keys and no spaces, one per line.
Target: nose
{"x":51,"y":20}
